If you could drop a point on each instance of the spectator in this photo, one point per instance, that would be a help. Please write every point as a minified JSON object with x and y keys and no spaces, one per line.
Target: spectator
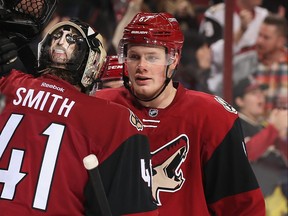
{"x":249,"y":98}
{"x":266,"y":142}
{"x":54,"y":126}
{"x":199,"y":164}
{"x":134,"y":6}
{"x":195,"y":63}
{"x":247,"y":18}
{"x":273,"y":62}
{"x":185,"y":15}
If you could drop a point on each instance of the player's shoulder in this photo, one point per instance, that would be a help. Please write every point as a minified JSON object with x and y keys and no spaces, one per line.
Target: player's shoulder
{"x":116,"y":111}
{"x":18,"y":73}
{"x":16,"y":78}
{"x":224,"y":105}
{"x":198,"y":96}
{"x":209,"y":103}
{"x":110,"y":93}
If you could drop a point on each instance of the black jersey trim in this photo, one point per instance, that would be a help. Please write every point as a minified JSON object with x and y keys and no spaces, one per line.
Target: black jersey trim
{"x":126,"y":191}
{"x":228,"y":172}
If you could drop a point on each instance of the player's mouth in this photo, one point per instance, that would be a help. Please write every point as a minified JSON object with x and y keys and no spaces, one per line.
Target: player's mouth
{"x":141,"y":80}
{"x":59,"y":55}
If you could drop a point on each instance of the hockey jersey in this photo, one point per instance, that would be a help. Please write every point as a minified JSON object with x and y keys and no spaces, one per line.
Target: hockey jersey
{"x":47,"y":128}
{"x":199,"y":161}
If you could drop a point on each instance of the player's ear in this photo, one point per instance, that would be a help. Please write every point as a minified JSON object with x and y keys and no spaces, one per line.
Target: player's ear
{"x":175,"y":62}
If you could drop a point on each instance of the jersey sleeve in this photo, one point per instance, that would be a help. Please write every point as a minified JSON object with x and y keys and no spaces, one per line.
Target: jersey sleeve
{"x":231,"y":187}
{"x":126,"y":177}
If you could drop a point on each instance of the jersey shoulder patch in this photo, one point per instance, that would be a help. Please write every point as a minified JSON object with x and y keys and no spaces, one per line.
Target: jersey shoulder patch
{"x":225,"y":104}
{"x":135,"y":121}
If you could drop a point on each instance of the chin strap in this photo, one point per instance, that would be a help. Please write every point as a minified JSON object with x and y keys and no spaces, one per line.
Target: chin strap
{"x":166,"y":82}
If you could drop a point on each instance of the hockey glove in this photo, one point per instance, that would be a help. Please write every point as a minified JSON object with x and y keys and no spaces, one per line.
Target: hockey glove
{"x":8,"y":51}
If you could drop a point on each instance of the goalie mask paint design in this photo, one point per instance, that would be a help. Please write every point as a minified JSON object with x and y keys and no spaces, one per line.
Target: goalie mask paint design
{"x":74,"y":46}
{"x":166,"y":167}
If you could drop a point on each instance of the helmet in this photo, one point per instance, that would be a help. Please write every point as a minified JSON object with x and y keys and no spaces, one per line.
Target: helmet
{"x":159,"y":29}
{"x":112,"y":73}
{"x":111,"y":69}
{"x":87,"y":57}
{"x":25,"y":18}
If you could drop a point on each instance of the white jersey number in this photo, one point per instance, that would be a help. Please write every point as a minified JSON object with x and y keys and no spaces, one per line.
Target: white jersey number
{"x":145,"y":173}
{"x":12,"y":176}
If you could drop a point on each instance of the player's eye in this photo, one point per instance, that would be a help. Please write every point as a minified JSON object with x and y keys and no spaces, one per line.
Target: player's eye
{"x":133,"y":57}
{"x":57,"y":35}
{"x":70,"y":39}
{"x":152,"y":58}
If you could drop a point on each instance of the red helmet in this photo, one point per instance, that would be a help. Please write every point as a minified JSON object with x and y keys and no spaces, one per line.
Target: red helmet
{"x":160,"y":29}
{"x":111,"y":69}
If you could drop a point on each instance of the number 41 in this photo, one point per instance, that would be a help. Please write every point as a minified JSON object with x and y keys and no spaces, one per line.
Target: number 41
{"x":12,"y":176}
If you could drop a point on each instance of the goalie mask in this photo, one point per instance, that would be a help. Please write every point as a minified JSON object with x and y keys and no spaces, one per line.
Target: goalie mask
{"x":73,"y":46}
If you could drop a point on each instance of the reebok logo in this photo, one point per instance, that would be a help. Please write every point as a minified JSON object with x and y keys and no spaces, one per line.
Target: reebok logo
{"x":52,"y":86}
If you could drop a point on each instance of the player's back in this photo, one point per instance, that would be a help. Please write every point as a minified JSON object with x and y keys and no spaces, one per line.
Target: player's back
{"x":47,"y":128}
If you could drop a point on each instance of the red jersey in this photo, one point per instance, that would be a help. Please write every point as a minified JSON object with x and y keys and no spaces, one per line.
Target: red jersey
{"x":46,"y":129}
{"x":199,"y":161}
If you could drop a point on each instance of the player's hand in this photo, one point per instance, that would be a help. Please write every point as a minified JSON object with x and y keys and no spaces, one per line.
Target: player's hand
{"x":8,"y":50}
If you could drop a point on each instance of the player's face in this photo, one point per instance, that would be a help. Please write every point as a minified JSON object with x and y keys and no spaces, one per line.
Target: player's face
{"x":268,"y":40}
{"x":146,"y":67}
{"x":63,"y":45}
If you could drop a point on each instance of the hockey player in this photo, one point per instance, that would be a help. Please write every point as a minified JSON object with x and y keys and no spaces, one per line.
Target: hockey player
{"x":48,"y":126}
{"x":199,"y":161}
